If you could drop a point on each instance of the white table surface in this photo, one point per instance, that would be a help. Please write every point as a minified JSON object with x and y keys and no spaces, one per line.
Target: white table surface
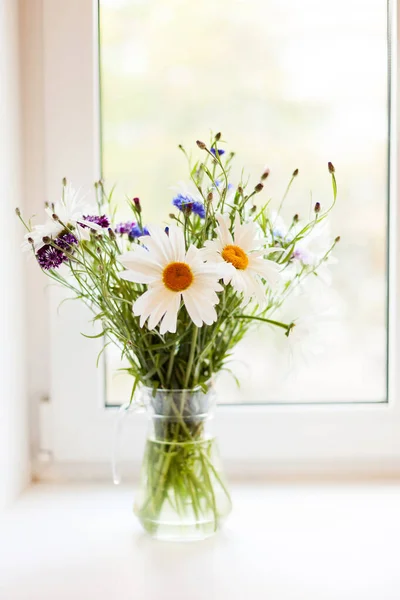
{"x":282,"y":542}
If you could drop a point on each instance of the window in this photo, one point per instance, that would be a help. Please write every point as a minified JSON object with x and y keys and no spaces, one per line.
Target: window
{"x":322,"y":436}
{"x":292,"y":85}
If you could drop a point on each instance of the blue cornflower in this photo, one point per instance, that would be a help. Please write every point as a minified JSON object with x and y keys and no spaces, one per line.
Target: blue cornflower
{"x":132,"y":229}
{"x":187,"y":204}
{"x":220,"y":151}
{"x":136,"y":231}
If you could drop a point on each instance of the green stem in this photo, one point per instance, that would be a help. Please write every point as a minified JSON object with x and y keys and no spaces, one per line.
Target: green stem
{"x":270,"y":321}
{"x":191,"y":356}
{"x":286,"y":193}
{"x":170,"y":365}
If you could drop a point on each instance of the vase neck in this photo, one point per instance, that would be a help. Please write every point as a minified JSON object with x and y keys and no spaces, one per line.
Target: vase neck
{"x":179,"y":404}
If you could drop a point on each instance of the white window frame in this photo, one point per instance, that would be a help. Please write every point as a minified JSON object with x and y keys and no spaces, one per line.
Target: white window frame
{"x":254,"y":440}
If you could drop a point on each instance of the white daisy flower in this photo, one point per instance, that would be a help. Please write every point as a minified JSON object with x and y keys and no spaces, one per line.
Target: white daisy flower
{"x":313,"y":246}
{"x":279,"y":230}
{"x":311,"y":250}
{"x":312,"y":310}
{"x":172,"y":274}
{"x":70,"y":210}
{"x":49,"y":229}
{"x":240,"y":258}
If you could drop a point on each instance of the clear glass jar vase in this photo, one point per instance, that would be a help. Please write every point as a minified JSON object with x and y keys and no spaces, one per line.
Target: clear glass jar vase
{"x":182,"y":493}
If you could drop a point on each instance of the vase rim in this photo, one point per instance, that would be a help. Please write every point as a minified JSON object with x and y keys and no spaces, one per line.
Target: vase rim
{"x":197,"y":388}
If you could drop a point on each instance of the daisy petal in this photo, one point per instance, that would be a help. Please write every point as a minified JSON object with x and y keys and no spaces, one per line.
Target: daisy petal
{"x":141,"y":261}
{"x":199,"y":311}
{"x":145,"y":304}
{"x":246,"y":235}
{"x":267,"y":269}
{"x":223,"y":230}
{"x":136,"y":277}
{"x":192,"y":308}
{"x":161,"y":241}
{"x":169,"y":321}
{"x":177,"y":242}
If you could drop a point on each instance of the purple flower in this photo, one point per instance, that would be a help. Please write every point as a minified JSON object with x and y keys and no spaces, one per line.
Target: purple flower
{"x":220,"y":151}
{"x":123,"y":228}
{"x":66,"y":241}
{"x":132,"y":229}
{"x":102,"y":221}
{"x":303,"y":256}
{"x":187,"y":204}
{"x":49,"y":257}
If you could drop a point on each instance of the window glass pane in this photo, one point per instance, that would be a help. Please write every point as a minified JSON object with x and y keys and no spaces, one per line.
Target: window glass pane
{"x":291,"y":85}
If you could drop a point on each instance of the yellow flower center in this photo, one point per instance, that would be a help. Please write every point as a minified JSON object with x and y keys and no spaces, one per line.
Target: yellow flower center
{"x":177,"y":276}
{"x":236,"y":256}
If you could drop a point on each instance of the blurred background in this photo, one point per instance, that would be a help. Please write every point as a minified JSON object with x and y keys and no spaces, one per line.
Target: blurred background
{"x":290,"y":85}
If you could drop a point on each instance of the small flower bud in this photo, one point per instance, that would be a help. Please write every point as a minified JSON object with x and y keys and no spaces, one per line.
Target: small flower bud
{"x":331,"y":168}
{"x":46,"y":204}
{"x":218,"y":136}
{"x":172,"y":216}
{"x":253,"y":208}
{"x":201,"y":145}
{"x":30,"y":240}
{"x":265,"y":175}
{"x":240,"y":190}
{"x":17,"y":212}
{"x":180,"y":147}
{"x":64,"y":181}
{"x":209,"y":197}
{"x":46,"y":239}
{"x":55,"y":217}
{"x":258,"y":187}
{"x":317,"y":207}
{"x":138,"y":207}
{"x":337,"y":239}
{"x":111,"y":233}
{"x":296,"y":218}
{"x":295,"y":173}
{"x":167,"y":230}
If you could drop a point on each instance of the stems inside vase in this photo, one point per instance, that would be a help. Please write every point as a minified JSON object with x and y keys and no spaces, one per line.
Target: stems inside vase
{"x":182,"y":486}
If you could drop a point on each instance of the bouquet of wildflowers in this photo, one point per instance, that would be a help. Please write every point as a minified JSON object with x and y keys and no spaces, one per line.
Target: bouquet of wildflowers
{"x":176,"y":299}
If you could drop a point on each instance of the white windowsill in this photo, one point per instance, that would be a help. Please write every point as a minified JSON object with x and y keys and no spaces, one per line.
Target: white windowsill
{"x":282,"y":542}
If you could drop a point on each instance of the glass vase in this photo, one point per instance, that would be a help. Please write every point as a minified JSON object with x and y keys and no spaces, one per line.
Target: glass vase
{"x":182,"y":493}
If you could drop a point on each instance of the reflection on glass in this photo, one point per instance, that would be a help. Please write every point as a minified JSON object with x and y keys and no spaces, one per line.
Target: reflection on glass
{"x":291,"y":85}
